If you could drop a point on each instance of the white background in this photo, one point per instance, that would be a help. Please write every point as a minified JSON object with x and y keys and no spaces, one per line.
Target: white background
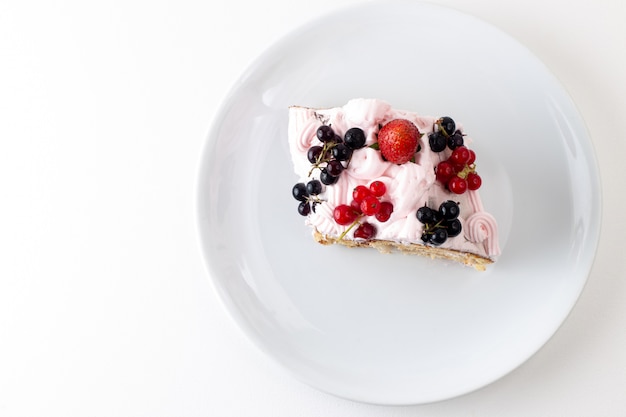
{"x":106,"y":308}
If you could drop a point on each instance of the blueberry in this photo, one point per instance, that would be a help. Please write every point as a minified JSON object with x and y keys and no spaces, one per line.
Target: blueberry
{"x":354,"y":138}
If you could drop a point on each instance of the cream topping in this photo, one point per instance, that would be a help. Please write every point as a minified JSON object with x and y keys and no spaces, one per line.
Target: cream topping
{"x":409,"y":185}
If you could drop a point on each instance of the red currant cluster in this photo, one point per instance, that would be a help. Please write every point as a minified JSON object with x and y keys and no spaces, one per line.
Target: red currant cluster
{"x":458,"y":172}
{"x":365,"y":202}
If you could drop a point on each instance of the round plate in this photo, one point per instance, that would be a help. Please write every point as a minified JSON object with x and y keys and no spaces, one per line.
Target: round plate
{"x":397,"y":329}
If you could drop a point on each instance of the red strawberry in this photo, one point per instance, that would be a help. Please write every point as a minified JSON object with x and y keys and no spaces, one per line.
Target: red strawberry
{"x":397,"y":141}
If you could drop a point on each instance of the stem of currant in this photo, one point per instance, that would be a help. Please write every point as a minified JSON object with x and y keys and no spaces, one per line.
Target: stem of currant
{"x":345,"y":232}
{"x":441,"y":129}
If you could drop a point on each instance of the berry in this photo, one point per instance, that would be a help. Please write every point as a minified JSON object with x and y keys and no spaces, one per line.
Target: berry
{"x":345,"y":214}
{"x":325,"y":133}
{"x":314,"y":153}
{"x":341,"y":152}
{"x":460,"y":156}
{"x":326,"y":178}
{"x":370,"y":205}
{"x":472,"y":158}
{"x":425,"y":215}
{"x":457,"y":185}
{"x":334,"y":168}
{"x":354,"y":138}
{"x":378,"y":188}
{"x":438,"y":236}
{"x":337,"y":139}
{"x":455,"y":140}
{"x":365,"y":231}
{"x":444,"y":171}
{"x":304,"y":208}
{"x":474,"y":181}
{"x":356,"y":206}
{"x":398,"y":141}
{"x":449,"y":210}
{"x":299,"y":192}
{"x":459,"y":167}
{"x":314,"y":187}
{"x":437,"y":142}
{"x":386,"y":208}
{"x":360,"y":192}
{"x":453,"y":227}
{"x":447,"y":124}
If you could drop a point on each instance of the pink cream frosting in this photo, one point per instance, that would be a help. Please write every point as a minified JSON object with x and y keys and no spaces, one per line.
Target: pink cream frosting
{"x":409,"y":186}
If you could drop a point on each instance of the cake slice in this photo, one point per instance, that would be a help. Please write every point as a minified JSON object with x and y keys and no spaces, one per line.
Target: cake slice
{"x":373,"y":176}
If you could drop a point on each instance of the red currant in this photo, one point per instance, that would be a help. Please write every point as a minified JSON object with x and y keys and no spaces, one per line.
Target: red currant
{"x":472,"y":158}
{"x":344,"y":214}
{"x":356,"y":206}
{"x":444,"y":171}
{"x":378,"y":188}
{"x":460,"y":155}
{"x":386,"y":208}
{"x":370,"y":205}
{"x":365,"y":231}
{"x":360,"y":192}
{"x":474,"y":181}
{"x":457,"y":185}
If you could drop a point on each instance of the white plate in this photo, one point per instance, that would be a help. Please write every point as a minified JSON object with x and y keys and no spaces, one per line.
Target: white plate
{"x":394,"y":329}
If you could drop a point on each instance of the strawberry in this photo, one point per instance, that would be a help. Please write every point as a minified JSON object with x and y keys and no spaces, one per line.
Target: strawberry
{"x":397,"y":141}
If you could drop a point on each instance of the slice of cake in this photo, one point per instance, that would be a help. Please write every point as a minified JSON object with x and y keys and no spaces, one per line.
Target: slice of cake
{"x":373,"y":176}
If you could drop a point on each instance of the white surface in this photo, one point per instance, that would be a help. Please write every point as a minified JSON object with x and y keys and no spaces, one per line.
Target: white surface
{"x":105,"y":306}
{"x":395,"y":329}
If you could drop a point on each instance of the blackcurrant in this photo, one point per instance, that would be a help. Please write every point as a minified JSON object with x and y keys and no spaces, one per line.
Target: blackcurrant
{"x":341,"y":152}
{"x":448,"y":125}
{"x":453,"y":227}
{"x":334,"y":168}
{"x":314,"y":153}
{"x":354,"y":138}
{"x":425,"y":215}
{"x":438,"y":236}
{"x":326,"y":178}
{"x":325,"y":133}
{"x":314,"y":187}
{"x":437,"y":142}
{"x":304,"y":208}
{"x":449,"y":210}
{"x":455,"y":140}
{"x":299,"y":192}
